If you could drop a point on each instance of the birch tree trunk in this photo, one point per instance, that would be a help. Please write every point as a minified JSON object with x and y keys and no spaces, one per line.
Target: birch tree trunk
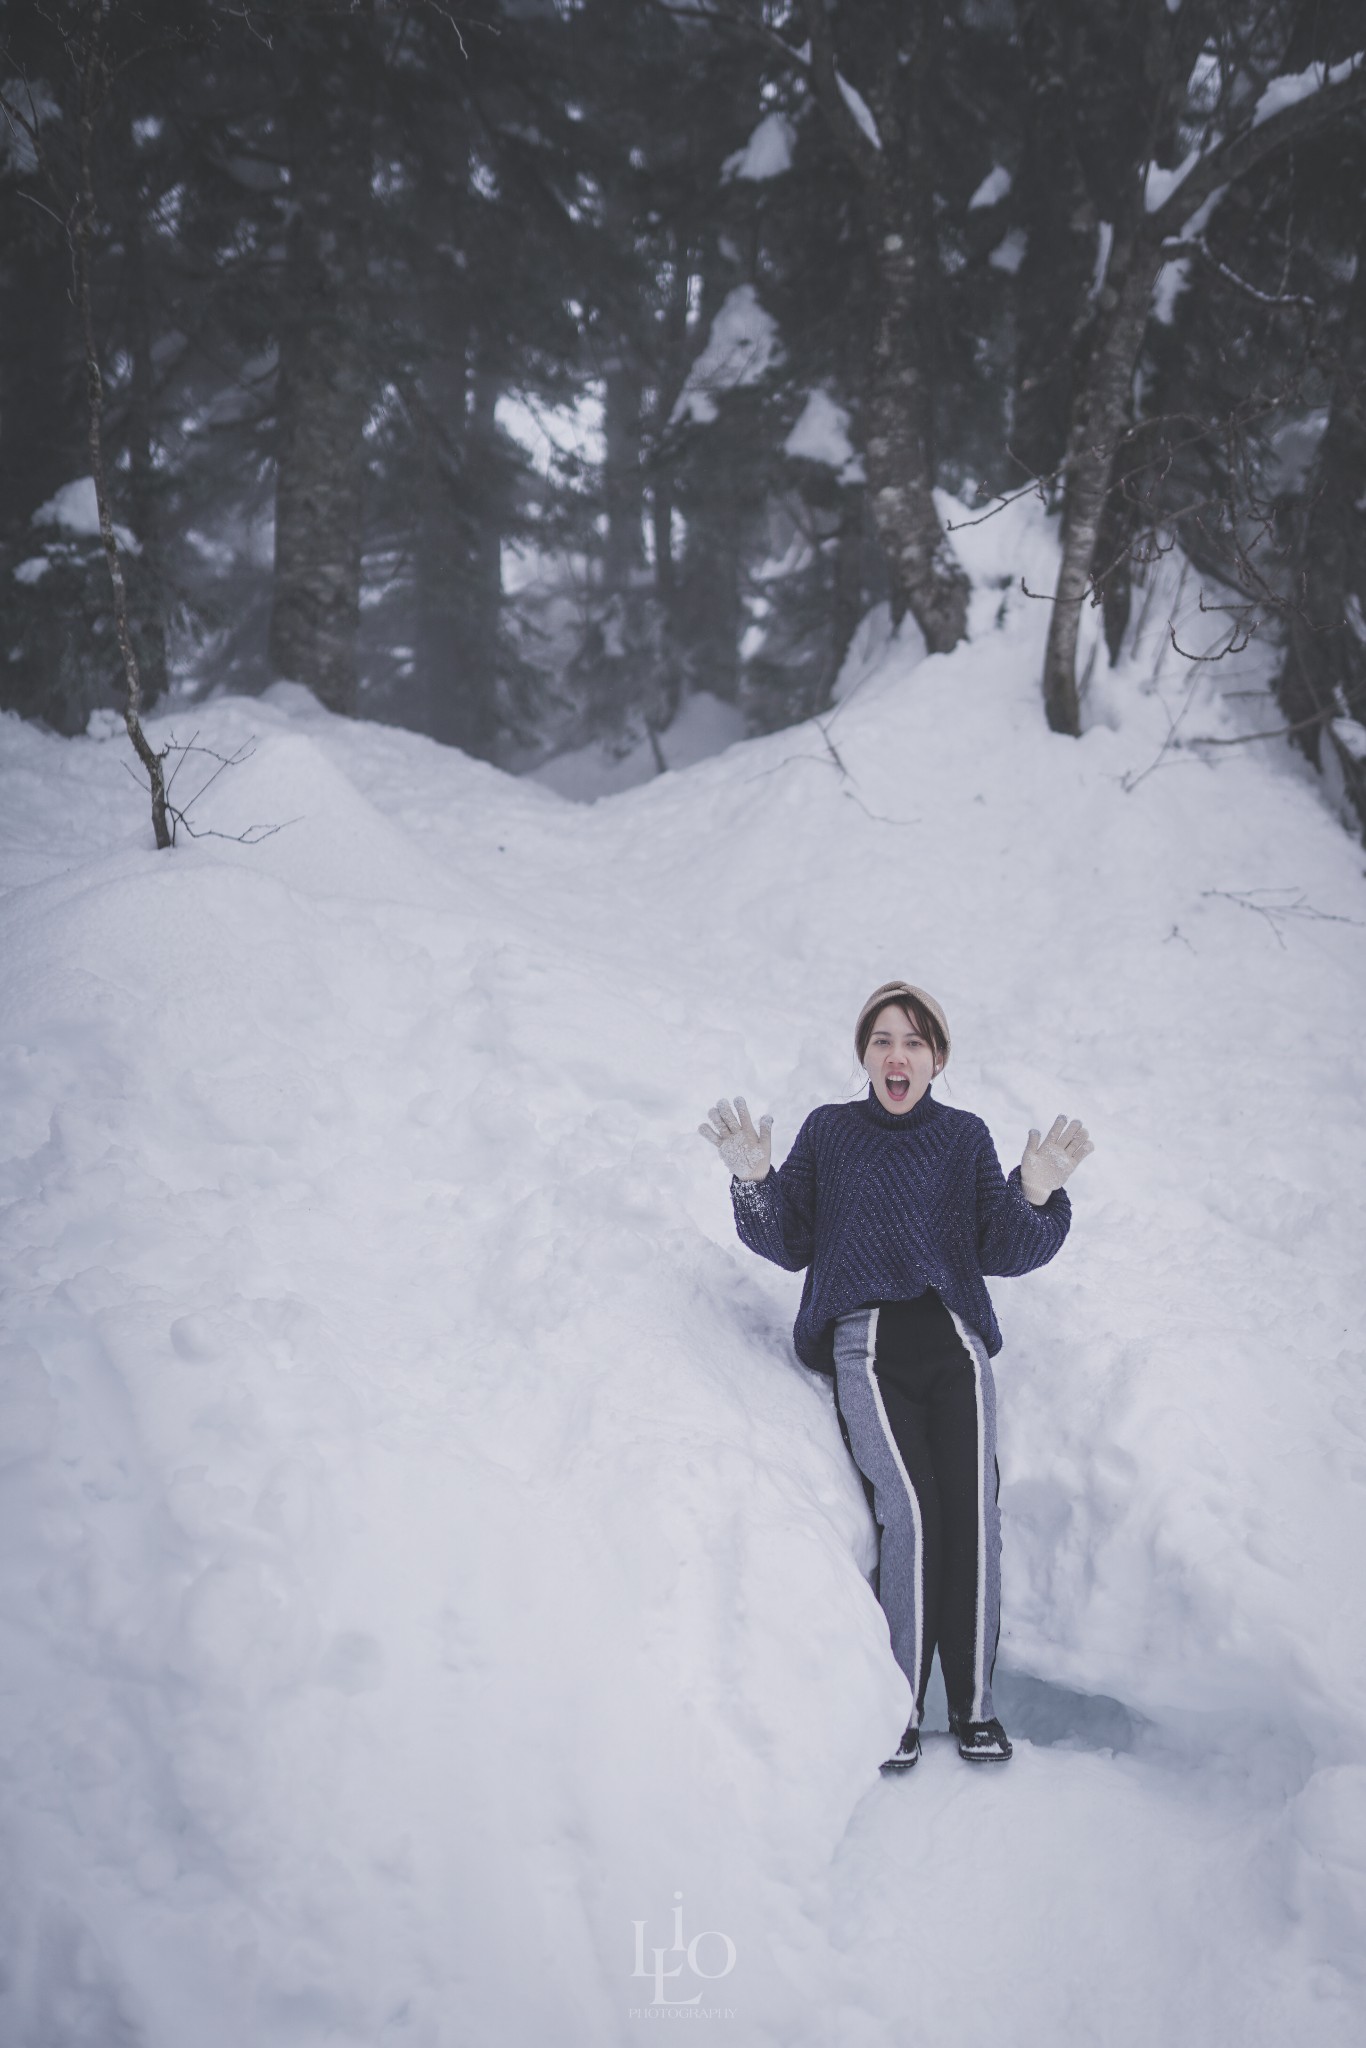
{"x":1101,"y":399}
{"x":1100,"y":412}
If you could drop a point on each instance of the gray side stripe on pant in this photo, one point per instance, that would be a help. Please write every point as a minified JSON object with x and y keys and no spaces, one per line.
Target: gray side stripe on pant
{"x":901,"y":1583}
{"x":901,"y":1574}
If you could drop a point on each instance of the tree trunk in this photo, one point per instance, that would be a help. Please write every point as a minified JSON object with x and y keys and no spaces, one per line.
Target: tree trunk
{"x":94,"y":92}
{"x":623,"y":479}
{"x":41,"y":447}
{"x":442,"y":539}
{"x":324,"y":383}
{"x":925,"y":577}
{"x":1060,"y":227}
{"x":669,"y":369}
{"x":719,"y":504}
{"x":1324,"y":672}
{"x":900,"y":50}
{"x":851,"y":583}
{"x":470,"y":716}
{"x":147,"y":589}
{"x":1099,"y":415}
{"x":440,"y":423}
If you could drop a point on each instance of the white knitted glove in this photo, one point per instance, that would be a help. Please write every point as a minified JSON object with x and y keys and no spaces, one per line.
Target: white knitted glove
{"x":746,"y":1152}
{"x":1048,"y":1161}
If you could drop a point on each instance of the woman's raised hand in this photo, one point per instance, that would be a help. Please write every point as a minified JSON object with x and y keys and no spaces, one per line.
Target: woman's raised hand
{"x":747,"y":1152}
{"x":1048,"y":1161}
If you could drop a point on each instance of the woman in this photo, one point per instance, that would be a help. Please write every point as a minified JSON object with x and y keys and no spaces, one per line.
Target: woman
{"x":896,"y":1206}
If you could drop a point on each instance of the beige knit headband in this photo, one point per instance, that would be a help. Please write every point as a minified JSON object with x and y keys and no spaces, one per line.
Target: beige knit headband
{"x":895,"y":992}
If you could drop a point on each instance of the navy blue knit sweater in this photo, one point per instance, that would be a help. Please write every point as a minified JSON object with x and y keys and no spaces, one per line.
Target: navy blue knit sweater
{"x":879,"y":1207}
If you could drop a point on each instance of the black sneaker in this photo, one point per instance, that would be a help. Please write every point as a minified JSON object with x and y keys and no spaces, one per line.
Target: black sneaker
{"x":907,"y":1753}
{"x":981,"y":1742}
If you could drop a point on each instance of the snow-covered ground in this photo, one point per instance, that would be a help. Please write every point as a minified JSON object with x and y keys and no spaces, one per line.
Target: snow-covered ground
{"x":426,"y":1571}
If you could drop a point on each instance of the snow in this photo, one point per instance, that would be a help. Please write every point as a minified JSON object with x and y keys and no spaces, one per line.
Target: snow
{"x":992,"y":189}
{"x":1168,"y":286}
{"x":555,"y":434}
{"x":24,"y":102}
{"x":75,"y":509}
{"x":1291,"y":89}
{"x":423,"y":1560}
{"x":1159,"y":183}
{"x":821,"y":434}
{"x":1293,"y":451}
{"x":1206,"y":82}
{"x":703,"y":725}
{"x":859,"y":108}
{"x":1352,"y":734}
{"x":1010,"y":251}
{"x":767,"y":154}
{"x":1197,"y":223}
{"x":868,"y":648}
{"x":741,"y":345}
{"x":33,"y":570}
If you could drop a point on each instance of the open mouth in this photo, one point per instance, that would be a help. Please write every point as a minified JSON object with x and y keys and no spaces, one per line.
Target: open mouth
{"x":898,"y":1086}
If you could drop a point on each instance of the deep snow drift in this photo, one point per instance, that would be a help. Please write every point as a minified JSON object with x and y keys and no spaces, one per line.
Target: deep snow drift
{"x":423,"y":1559}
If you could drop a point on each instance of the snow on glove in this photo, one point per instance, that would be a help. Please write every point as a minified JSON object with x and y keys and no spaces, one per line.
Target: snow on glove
{"x":747,"y":1152}
{"x":1048,"y":1161}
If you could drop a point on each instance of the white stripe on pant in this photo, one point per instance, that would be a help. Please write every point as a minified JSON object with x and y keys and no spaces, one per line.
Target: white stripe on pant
{"x":969,"y":1636}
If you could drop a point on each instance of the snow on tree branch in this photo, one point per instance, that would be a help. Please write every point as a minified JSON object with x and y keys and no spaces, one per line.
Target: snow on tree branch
{"x":742,"y":344}
{"x":1301,"y":85}
{"x":858,"y":107}
{"x":767,"y":154}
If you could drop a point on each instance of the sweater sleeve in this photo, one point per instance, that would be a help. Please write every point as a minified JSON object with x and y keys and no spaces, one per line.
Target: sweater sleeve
{"x":775,"y":1216}
{"x":1012,"y":1235}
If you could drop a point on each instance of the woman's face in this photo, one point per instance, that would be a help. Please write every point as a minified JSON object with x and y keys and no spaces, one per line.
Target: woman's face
{"x":899,"y":1062}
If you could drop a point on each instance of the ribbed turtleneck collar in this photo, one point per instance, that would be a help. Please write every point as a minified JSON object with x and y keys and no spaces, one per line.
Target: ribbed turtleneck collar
{"x":908,"y":1120}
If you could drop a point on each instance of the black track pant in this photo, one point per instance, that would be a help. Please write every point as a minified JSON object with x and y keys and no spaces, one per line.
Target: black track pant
{"x":917,"y":1406}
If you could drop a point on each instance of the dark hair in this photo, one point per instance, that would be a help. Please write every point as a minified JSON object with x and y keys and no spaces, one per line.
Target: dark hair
{"x":925,"y":1022}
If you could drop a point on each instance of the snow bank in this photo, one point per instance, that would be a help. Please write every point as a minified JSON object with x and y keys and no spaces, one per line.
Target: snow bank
{"x":424,"y":1561}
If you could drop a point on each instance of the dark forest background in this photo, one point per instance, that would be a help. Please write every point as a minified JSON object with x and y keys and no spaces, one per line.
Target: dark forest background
{"x":766,"y":272}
